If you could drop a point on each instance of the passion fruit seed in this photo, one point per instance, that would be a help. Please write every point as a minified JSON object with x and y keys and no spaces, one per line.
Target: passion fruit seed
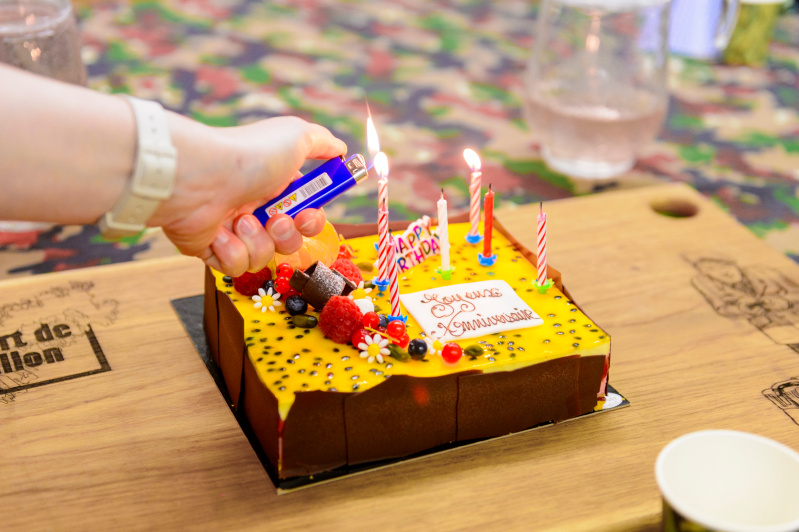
{"x":367,"y":267}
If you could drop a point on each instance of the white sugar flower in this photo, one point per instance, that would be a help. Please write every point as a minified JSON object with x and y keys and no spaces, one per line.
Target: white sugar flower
{"x":364,"y":305}
{"x":267,"y":300}
{"x":433,"y":345}
{"x":374,"y":347}
{"x":360,"y":293}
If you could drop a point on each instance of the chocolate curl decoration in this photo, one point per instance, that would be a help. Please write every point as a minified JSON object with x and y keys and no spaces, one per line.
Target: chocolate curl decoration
{"x":318,"y":284}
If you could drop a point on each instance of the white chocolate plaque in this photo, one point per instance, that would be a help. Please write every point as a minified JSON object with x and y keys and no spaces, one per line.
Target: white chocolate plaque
{"x":462,"y":311}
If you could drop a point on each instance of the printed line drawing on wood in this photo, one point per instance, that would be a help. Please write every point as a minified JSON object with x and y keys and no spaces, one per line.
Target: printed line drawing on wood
{"x":785,"y":394}
{"x":760,"y":294}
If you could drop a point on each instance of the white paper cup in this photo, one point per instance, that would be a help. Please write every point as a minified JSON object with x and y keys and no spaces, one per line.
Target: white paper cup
{"x":730,"y":481}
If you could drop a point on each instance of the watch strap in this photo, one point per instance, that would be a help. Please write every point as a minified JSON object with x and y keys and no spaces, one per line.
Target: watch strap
{"x":153,"y":174}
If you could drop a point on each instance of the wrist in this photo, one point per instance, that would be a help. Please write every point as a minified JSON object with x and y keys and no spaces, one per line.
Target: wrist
{"x":201,"y":171}
{"x":153,"y":176}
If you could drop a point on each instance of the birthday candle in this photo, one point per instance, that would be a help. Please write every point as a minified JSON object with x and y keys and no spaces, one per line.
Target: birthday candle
{"x":473,"y":160}
{"x":393,"y":285}
{"x":489,"y":222}
{"x":542,"y":247}
{"x":381,"y":166}
{"x":443,"y":232}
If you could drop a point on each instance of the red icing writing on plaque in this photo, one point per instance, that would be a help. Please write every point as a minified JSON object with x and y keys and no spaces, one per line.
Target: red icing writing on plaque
{"x":470,"y":310}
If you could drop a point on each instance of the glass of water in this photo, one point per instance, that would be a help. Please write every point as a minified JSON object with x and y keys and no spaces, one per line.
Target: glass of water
{"x":595,"y":90}
{"x":40,"y":36}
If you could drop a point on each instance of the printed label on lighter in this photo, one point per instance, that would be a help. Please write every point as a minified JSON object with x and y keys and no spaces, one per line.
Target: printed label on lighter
{"x":300,"y":195}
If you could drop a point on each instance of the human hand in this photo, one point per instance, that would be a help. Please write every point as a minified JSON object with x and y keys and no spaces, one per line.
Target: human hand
{"x":223,"y":174}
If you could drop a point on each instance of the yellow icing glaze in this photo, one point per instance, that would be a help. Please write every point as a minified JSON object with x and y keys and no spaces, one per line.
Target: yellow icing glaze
{"x":289,"y":359}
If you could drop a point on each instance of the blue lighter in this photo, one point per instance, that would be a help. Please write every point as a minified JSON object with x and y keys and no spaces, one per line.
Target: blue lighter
{"x":316,"y":188}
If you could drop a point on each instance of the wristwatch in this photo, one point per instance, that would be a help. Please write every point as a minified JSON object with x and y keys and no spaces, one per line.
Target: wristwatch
{"x":153,"y":173}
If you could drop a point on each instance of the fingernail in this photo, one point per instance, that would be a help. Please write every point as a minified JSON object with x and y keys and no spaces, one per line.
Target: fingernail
{"x":282,"y":229}
{"x":221,"y":238}
{"x":308,"y":227}
{"x":247,"y":227}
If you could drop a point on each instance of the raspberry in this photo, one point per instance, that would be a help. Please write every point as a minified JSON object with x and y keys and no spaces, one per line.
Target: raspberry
{"x":340,"y":319}
{"x":248,"y":283}
{"x":348,"y":269}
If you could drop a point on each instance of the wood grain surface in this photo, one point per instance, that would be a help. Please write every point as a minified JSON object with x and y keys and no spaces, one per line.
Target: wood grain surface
{"x":151,"y":444}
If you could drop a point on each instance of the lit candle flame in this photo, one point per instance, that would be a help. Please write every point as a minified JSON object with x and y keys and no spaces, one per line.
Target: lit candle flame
{"x":381,"y":165}
{"x":372,"y":142}
{"x":472,"y":159}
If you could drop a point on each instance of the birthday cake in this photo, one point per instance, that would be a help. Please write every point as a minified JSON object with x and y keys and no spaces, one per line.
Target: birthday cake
{"x":327,"y":382}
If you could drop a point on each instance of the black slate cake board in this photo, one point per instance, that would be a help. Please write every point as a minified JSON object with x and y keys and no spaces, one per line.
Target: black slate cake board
{"x":190,"y":312}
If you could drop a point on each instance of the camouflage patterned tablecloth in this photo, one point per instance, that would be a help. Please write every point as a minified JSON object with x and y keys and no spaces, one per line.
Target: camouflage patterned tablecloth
{"x":439,"y":77}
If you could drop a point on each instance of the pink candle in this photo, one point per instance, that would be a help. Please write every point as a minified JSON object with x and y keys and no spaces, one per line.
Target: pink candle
{"x":393,"y":283}
{"x":489,"y":222}
{"x":542,"y":247}
{"x":473,"y":161}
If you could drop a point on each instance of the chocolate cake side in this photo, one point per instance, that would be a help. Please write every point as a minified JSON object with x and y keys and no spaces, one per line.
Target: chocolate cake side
{"x":495,"y":404}
{"x":402,"y":416}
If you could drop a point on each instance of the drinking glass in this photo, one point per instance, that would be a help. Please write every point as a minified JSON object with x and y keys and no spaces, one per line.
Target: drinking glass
{"x":595,"y":90}
{"x":40,"y":36}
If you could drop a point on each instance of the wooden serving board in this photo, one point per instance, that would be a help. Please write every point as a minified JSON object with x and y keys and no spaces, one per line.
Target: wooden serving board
{"x":123,"y":425}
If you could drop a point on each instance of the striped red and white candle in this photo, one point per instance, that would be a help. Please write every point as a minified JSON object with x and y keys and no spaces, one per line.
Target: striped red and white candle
{"x":393,"y":282}
{"x":473,"y":160}
{"x":542,"y":247}
{"x":381,"y":166}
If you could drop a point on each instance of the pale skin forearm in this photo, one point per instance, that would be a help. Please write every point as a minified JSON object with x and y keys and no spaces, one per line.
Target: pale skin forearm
{"x":65,"y":159}
{"x":66,"y":154}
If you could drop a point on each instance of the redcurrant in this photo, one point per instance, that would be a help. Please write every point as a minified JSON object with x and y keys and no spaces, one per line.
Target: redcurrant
{"x":285,"y":270}
{"x":451,"y":352}
{"x":359,"y":337}
{"x":282,"y":285}
{"x":395,"y":328}
{"x":371,"y":320}
{"x":402,"y":340}
{"x":291,"y":292}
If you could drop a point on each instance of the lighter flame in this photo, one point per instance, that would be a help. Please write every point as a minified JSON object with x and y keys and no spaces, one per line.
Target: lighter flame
{"x":372,"y":142}
{"x":472,"y":159}
{"x":381,"y":165}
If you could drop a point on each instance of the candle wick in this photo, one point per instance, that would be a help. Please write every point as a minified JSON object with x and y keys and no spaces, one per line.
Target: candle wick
{"x":489,"y":186}
{"x":442,"y":193}
{"x":541,"y":206}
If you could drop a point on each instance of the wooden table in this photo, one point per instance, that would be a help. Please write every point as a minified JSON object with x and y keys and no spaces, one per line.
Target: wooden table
{"x":143,"y":439}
